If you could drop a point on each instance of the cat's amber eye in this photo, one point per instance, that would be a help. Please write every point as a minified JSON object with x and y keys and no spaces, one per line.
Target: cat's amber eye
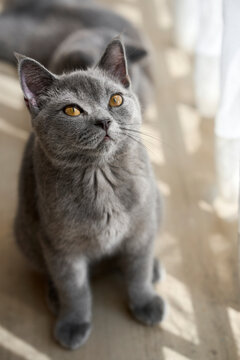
{"x":72,"y":110}
{"x":115,"y":100}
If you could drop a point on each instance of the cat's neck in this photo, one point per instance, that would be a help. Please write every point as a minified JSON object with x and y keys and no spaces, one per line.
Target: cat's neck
{"x":124,"y":158}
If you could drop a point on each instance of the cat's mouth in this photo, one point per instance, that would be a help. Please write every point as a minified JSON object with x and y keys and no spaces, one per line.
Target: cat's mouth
{"x":104,"y":141}
{"x":107,"y":137}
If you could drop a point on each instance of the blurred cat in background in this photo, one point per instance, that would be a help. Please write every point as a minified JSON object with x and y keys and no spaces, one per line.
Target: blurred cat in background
{"x":66,"y":35}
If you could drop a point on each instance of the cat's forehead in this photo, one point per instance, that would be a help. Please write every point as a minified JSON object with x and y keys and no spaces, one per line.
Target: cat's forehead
{"x":88,"y":83}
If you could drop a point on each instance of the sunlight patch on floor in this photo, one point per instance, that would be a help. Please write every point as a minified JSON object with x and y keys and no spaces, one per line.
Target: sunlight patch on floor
{"x":190,"y":123}
{"x":170,"y":354}
{"x":7,"y":69}
{"x":164,"y":17}
{"x":132,"y":13}
{"x":205,"y":206}
{"x":234,"y":319}
{"x":153,"y":144}
{"x":227,"y":210}
{"x":180,"y":320}
{"x":178,"y":62}
{"x":164,"y":188}
{"x":19,"y":347}
{"x":151,"y":113}
{"x":12,"y":130}
{"x":10,"y":92}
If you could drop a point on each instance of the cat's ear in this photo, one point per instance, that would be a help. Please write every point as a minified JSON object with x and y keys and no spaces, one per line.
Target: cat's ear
{"x":35,"y":79}
{"x":114,"y":61}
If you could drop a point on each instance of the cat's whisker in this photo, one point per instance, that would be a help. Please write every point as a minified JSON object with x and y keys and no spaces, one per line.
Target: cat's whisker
{"x":141,"y":143}
{"x":142,"y":133}
{"x":149,"y":136}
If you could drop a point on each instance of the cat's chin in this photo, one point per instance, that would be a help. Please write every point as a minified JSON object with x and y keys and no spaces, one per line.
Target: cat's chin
{"x":107,"y":145}
{"x":106,"y":142}
{"x":107,"y":148}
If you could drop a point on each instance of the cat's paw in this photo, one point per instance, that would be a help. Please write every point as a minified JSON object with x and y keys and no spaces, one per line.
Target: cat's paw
{"x":151,"y":313}
{"x":72,"y":335}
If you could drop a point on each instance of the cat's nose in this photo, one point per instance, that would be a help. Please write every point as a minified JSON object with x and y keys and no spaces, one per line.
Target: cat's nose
{"x":104,"y":123}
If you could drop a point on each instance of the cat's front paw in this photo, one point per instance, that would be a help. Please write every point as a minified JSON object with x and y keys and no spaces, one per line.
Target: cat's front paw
{"x":72,"y":335}
{"x":151,"y":313}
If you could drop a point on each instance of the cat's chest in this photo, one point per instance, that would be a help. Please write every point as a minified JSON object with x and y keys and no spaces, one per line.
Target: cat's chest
{"x":96,"y":206}
{"x":102,"y":193}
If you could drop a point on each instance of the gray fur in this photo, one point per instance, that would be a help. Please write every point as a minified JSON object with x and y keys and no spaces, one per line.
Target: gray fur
{"x":83,"y":198}
{"x":66,"y":35}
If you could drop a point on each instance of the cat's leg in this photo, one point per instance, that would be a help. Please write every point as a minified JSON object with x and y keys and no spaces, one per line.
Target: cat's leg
{"x":26,"y":231}
{"x":26,"y":224}
{"x":145,"y":304}
{"x":71,"y":285}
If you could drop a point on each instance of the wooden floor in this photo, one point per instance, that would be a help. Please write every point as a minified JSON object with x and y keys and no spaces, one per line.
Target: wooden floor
{"x":197,"y":247}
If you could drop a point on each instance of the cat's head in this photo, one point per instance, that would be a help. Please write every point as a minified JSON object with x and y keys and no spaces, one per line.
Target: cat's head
{"x":90,"y":112}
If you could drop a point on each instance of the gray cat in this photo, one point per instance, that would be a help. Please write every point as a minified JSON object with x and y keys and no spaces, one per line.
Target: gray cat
{"x":87,"y":189}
